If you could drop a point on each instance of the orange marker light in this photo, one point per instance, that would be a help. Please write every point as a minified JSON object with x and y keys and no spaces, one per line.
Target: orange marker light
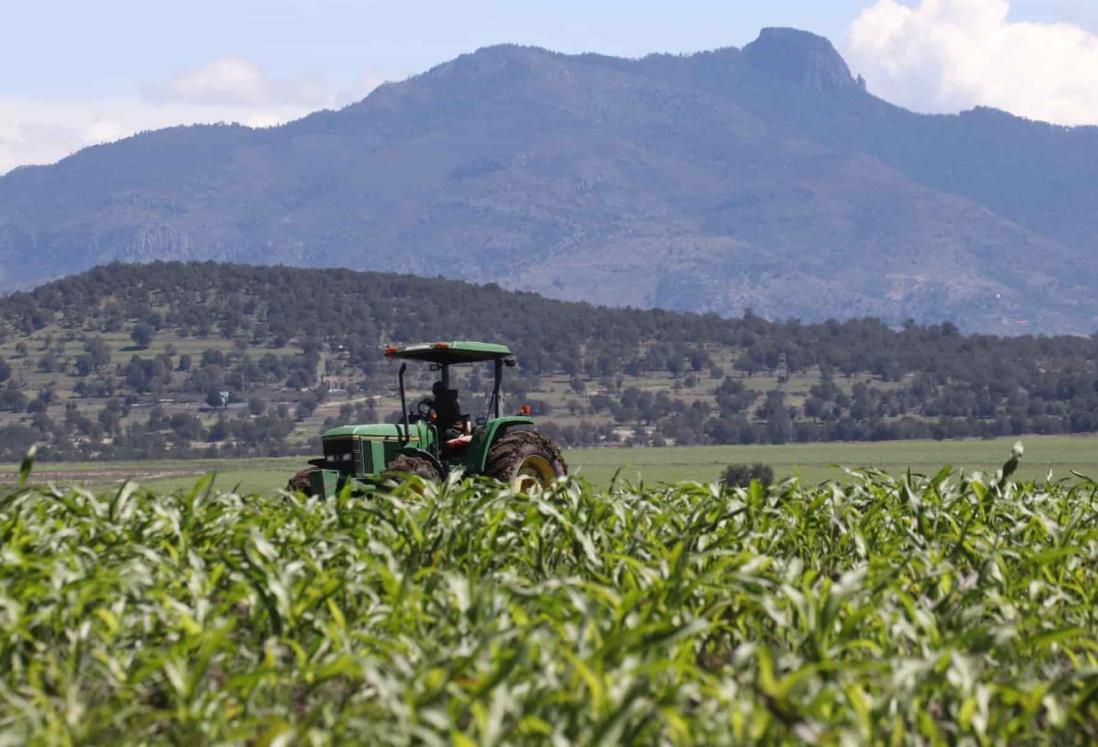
{"x":441,"y":345}
{"x":390,"y":351}
{"x":525,"y":410}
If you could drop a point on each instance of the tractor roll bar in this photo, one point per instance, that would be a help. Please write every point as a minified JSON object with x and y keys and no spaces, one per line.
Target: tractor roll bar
{"x":403,"y":403}
{"x":499,"y":381}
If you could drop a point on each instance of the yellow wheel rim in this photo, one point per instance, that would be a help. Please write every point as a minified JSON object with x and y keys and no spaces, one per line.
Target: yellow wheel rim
{"x":533,"y":471}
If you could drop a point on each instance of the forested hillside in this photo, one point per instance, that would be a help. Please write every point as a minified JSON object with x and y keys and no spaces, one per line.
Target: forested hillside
{"x":765,"y":177}
{"x":132,"y":361}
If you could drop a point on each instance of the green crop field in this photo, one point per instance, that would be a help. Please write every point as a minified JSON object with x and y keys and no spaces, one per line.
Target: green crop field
{"x":941,"y":609}
{"x":812,"y":463}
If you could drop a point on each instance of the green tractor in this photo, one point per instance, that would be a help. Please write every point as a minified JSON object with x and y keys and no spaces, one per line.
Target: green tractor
{"x":436,"y":437}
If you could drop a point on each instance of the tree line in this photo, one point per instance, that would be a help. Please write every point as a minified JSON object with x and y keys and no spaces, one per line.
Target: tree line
{"x":277,"y":328}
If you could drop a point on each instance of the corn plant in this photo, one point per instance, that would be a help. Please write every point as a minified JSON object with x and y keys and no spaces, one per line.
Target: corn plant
{"x":901,"y":610}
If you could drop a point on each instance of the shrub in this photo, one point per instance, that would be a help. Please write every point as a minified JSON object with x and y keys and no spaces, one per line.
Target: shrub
{"x":741,"y":475}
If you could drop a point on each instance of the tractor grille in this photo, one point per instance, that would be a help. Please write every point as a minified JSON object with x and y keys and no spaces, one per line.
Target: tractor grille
{"x":339,"y":454}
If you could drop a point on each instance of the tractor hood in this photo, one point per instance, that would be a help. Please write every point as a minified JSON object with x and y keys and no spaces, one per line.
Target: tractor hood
{"x":374,"y":431}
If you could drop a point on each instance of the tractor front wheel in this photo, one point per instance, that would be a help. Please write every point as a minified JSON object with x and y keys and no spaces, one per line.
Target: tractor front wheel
{"x":524,"y":459}
{"x":409,"y":464}
{"x":302,"y":482}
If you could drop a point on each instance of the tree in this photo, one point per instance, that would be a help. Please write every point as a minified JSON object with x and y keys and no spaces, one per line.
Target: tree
{"x":84,"y":365}
{"x":109,"y":420}
{"x":12,"y":400}
{"x":16,"y":439}
{"x":142,"y":335}
{"x":98,"y":352}
{"x":219,"y":431}
{"x":305,"y":407}
{"x":145,"y":375}
{"x":779,"y":420}
{"x":187,"y":426}
{"x":5,"y":370}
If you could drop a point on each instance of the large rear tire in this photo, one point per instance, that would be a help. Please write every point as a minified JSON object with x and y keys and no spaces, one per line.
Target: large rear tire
{"x":525,"y":459}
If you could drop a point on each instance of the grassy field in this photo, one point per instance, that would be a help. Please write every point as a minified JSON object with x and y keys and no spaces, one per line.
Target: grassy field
{"x":812,"y":463}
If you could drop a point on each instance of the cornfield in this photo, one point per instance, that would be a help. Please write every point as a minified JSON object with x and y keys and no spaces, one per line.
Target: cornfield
{"x":911,"y":609}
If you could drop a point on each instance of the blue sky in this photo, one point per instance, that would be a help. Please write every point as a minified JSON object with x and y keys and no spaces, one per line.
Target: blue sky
{"x":73,"y":73}
{"x":111,"y":44}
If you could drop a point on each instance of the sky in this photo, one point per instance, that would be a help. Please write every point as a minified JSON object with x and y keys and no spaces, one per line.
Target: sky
{"x":77,"y":73}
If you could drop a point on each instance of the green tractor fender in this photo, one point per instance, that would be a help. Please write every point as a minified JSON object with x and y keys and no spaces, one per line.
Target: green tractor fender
{"x":426,"y":445}
{"x":477,"y":455}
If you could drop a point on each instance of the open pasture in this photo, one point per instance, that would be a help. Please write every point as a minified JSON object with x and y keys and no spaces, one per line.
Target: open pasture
{"x":816,"y":462}
{"x":811,"y":463}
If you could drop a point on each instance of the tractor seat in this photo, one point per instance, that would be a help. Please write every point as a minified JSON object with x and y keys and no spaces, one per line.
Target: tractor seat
{"x":460,"y":442}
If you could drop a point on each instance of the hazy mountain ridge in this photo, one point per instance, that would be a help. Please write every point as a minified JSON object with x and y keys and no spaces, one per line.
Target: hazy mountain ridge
{"x":765,"y":177}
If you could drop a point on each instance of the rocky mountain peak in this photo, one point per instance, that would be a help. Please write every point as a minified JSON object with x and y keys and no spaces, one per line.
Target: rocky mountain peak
{"x":800,"y":57}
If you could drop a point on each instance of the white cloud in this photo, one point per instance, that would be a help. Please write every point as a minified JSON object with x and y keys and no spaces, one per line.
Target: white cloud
{"x":948,"y":55}
{"x":232,"y":81}
{"x":38,"y":131}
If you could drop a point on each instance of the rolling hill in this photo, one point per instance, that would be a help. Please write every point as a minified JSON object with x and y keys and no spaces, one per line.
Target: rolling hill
{"x":763,"y":178}
{"x":130,"y":361}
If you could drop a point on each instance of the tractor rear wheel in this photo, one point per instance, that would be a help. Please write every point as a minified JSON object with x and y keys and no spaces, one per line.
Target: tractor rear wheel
{"x":524,"y":459}
{"x":409,"y":464}
{"x":301,"y":482}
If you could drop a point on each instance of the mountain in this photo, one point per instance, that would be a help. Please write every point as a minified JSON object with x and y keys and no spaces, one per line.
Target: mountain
{"x":764,"y":178}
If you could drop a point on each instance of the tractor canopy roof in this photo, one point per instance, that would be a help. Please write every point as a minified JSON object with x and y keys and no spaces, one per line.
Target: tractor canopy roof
{"x":449,"y":353}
